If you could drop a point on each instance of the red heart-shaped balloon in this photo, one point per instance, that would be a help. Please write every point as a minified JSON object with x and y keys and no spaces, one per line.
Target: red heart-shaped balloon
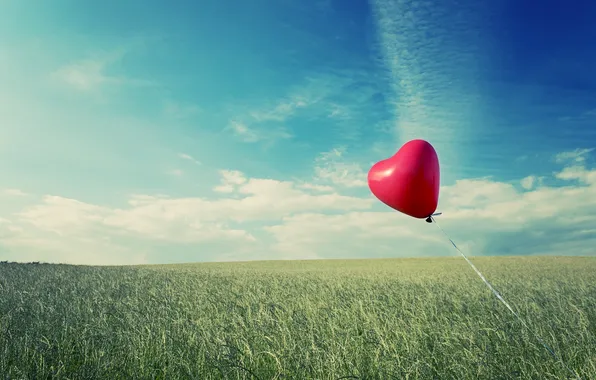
{"x":409,"y":180}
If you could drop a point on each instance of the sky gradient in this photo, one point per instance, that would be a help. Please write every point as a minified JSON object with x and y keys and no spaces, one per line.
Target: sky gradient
{"x":141,"y":132}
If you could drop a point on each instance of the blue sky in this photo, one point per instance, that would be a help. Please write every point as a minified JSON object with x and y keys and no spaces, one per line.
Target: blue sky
{"x":141,"y":132}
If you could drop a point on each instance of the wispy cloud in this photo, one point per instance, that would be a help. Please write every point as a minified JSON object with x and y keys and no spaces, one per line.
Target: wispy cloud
{"x":332,"y":168}
{"x":266,"y":123}
{"x":338,"y":111}
{"x":180,"y":110}
{"x":280,"y":112}
{"x":242,"y":131}
{"x":351,"y":101}
{"x":588,"y":115}
{"x":577,"y":156}
{"x":344,"y":101}
{"x":176,"y":172}
{"x":93,"y":73}
{"x":254,"y":134}
{"x":13,"y":192}
{"x":188,"y":157}
{"x":86,"y":75}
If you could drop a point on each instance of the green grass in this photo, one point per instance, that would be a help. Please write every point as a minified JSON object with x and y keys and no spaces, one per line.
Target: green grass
{"x":367,"y":319}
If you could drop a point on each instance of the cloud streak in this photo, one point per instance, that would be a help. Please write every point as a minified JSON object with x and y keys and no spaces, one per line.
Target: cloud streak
{"x":432,"y":53}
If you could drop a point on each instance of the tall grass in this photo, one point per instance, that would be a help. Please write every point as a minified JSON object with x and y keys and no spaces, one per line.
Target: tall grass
{"x":360,"y":319}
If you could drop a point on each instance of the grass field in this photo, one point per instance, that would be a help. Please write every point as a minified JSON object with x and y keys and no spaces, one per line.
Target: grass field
{"x":357,"y":319}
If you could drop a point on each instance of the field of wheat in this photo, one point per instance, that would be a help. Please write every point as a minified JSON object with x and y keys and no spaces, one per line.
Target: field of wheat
{"x":350,"y":319}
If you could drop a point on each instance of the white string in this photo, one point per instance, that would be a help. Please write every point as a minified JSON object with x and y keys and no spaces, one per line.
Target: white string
{"x":498,"y":295}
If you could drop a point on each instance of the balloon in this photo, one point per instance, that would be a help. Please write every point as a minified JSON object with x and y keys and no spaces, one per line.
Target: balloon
{"x":409,"y":180}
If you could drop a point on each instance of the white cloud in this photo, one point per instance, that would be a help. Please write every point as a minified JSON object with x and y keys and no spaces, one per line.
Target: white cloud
{"x":33,"y":245}
{"x":351,"y":234}
{"x":315,"y":187}
{"x":8,"y":229}
{"x":183,"y":220}
{"x":153,"y":218}
{"x":528,"y":182}
{"x":266,"y":218}
{"x":577,"y":172}
{"x":482,"y":216}
{"x":230,"y":179}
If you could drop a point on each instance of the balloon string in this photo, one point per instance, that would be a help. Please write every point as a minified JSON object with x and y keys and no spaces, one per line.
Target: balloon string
{"x":500,"y":297}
